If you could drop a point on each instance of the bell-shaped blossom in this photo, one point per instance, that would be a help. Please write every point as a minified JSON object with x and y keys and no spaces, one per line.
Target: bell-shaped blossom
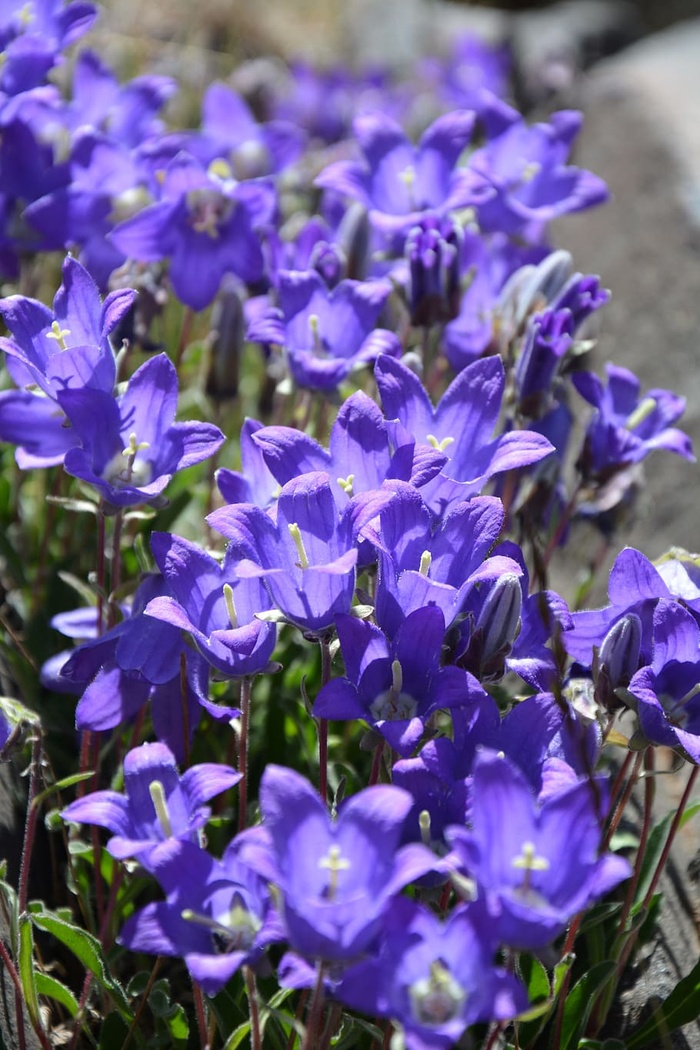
{"x":130,"y":446}
{"x":395,"y":686}
{"x":461,"y":426}
{"x":486,"y":264}
{"x":32,"y":37}
{"x":255,"y":483}
{"x":205,"y":224}
{"x":230,"y":132}
{"x":307,"y":557}
{"x":421,"y":565}
{"x":55,"y":350}
{"x":359,"y":458}
{"x":67,"y":346}
{"x":325,"y":333}
{"x":108,"y":181}
{"x":336,"y":878}
{"x":626,"y":427}
{"x":666,"y":693}
{"x":534,"y":866}
{"x":520,"y":180}
{"x":398,"y":181}
{"x":158,"y":804}
{"x":433,"y":979}
{"x":218,"y":915}
{"x":635,"y":587}
{"x":127,"y":112}
{"x":140,"y":660}
{"x":213,"y":606}
{"x":542,"y":736}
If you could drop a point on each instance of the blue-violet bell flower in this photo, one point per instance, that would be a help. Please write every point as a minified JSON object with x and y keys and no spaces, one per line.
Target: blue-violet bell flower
{"x":158,"y":803}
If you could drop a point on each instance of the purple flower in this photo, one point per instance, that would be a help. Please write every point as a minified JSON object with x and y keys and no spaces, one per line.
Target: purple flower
{"x":213,"y":606}
{"x":666,"y":693}
{"x":325,"y":333}
{"x":534,"y":866}
{"x":255,"y":483}
{"x":140,"y":659}
{"x":307,"y":556}
{"x":217,"y":915}
{"x":635,"y":587}
{"x":68,"y":346}
{"x":158,"y":804}
{"x":520,"y":179}
{"x":460,"y":426}
{"x":434,"y":979}
{"x":231,"y":132}
{"x":336,"y":878}
{"x":432,"y":250}
{"x":55,"y":350}
{"x":108,"y":182}
{"x":205,"y":224}
{"x":396,"y":686}
{"x":399,"y":181}
{"x":360,"y":457}
{"x":130,"y":446}
{"x":126,"y":112}
{"x":548,"y":338}
{"x":420,"y":565}
{"x":626,"y":428}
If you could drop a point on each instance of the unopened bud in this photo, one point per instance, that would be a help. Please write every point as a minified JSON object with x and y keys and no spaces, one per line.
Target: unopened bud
{"x":620,"y":651}
{"x":500,"y":616}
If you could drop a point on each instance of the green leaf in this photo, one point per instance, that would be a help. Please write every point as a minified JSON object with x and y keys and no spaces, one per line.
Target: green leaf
{"x":581,"y":1000}
{"x":680,"y":1007}
{"x":236,"y":1038}
{"x":26,"y":969}
{"x":689,"y":814}
{"x":89,"y":950}
{"x":652,"y":856}
{"x":113,"y":1033}
{"x":53,"y":989}
{"x":67,"y":782}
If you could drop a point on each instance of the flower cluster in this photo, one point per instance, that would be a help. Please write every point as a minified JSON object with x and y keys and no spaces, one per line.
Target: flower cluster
{"x":417,"y":343}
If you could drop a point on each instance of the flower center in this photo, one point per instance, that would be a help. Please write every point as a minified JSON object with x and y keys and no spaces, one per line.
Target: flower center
{"x":208,"y":210}
{"x":438,"y":998}
{"x":127,"y":468}
{"x":59,"y":334}
{"x":233,"y":931}
{"x":394,"y":705}
{"x":334,"y":864}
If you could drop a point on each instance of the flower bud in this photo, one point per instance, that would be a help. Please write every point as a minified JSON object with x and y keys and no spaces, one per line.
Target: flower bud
{"x":620,"y":651}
